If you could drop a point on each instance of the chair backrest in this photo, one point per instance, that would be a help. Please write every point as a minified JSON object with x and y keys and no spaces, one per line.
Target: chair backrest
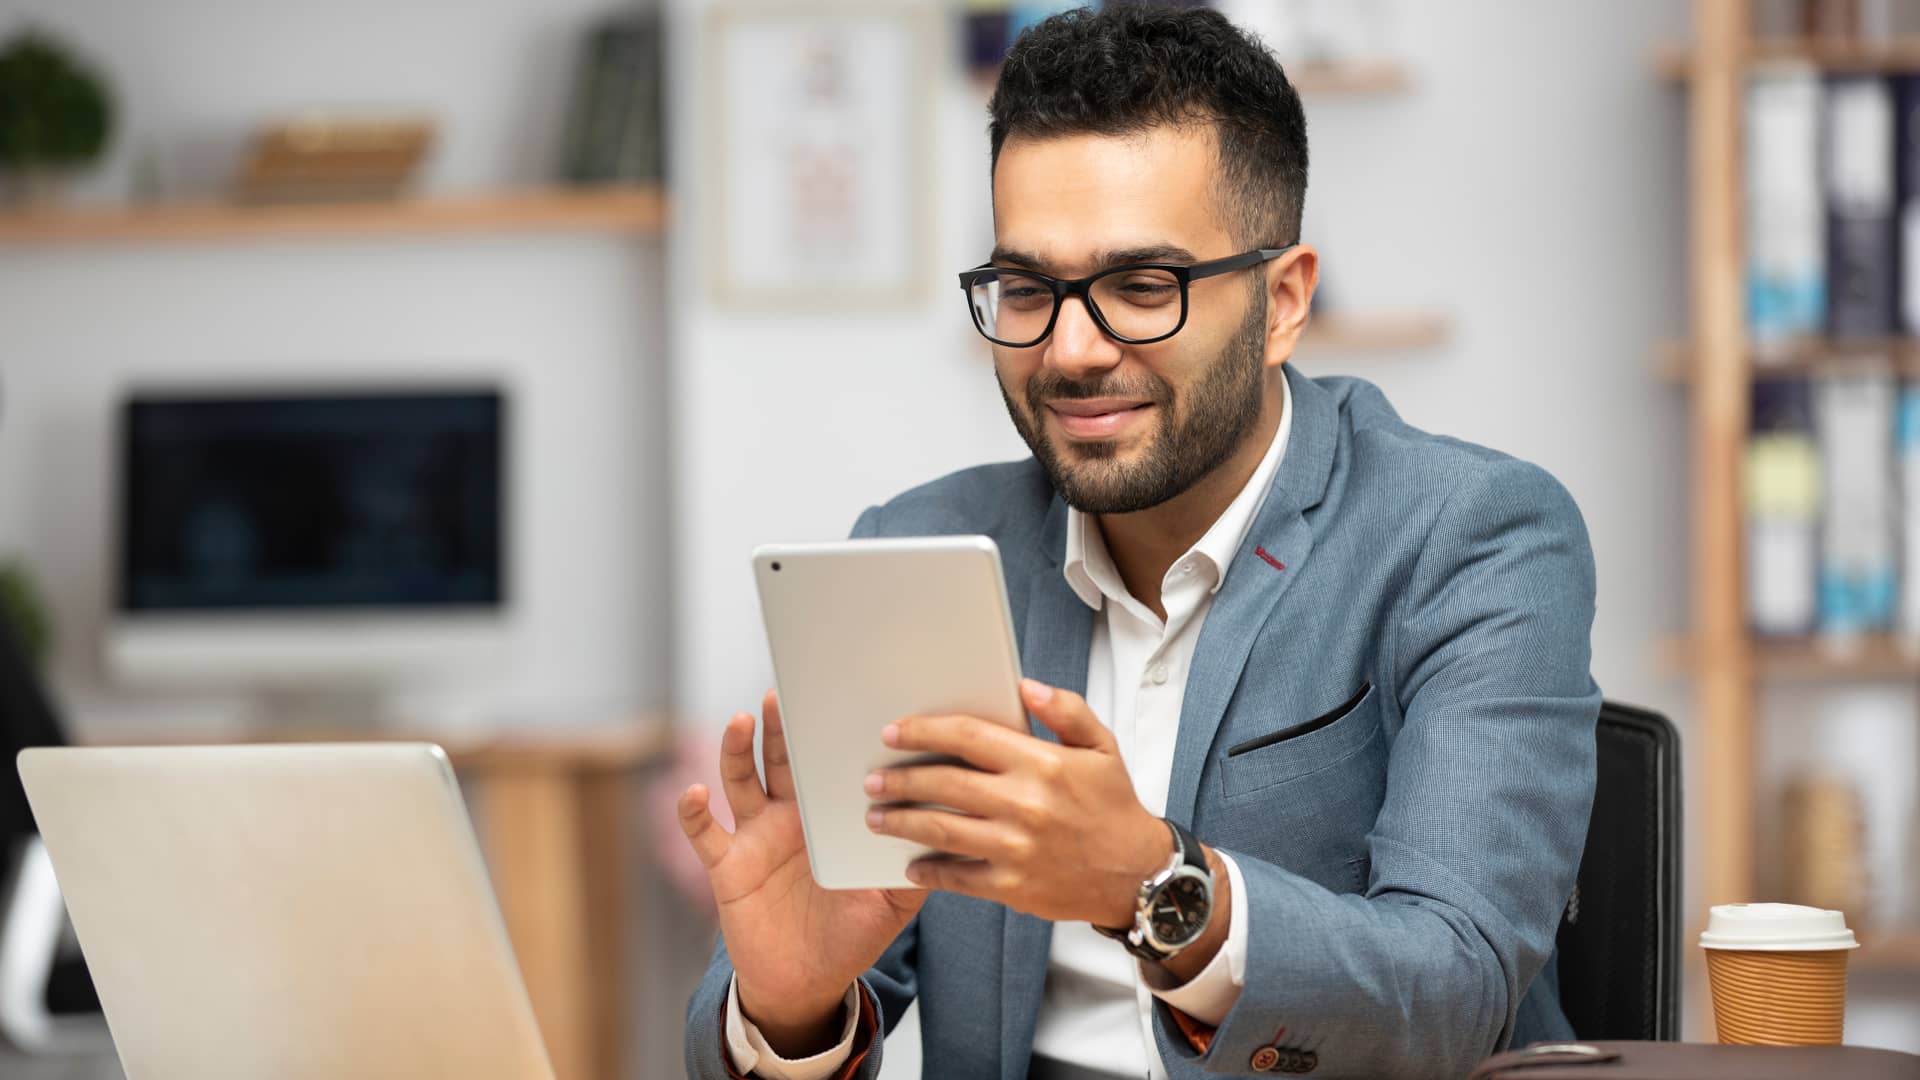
{"x":26,"y":719}
{"x":1619,"y":940}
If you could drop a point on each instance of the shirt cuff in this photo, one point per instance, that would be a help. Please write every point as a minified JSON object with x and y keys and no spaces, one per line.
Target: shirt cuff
{"x":1209,"y":996}
{"x":751,"y":1056}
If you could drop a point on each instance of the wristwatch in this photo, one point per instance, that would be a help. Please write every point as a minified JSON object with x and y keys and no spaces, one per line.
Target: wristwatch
{"x":1173,"y":906}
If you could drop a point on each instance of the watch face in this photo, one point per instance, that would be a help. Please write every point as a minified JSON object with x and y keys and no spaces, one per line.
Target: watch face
{"x":1180,"y":910}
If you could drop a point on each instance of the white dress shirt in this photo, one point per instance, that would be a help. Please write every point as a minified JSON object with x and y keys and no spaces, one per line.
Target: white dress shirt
{"x":1097,"y":1007}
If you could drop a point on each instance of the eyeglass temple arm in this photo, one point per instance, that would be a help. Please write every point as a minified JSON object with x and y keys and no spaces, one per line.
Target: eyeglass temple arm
{"x":1236,"y":262}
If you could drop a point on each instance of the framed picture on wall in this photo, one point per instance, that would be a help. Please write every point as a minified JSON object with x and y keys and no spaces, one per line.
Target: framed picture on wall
{"x":817,"y":122}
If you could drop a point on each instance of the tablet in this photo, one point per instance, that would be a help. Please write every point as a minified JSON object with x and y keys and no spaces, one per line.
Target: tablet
{"x":864,"y":632}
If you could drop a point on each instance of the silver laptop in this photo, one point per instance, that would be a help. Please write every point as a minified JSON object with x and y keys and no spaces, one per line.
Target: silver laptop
{"x":284,"y":911}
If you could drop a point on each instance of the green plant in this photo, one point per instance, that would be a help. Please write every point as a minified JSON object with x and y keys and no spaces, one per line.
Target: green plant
{"x":54,"y":112}
{"x":21,"y":606}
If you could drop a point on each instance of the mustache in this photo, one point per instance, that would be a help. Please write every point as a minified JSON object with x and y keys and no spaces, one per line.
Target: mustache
{"x":1050,"y":386}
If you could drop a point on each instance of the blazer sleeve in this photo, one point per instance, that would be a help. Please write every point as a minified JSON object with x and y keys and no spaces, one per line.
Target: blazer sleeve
{"x":885,"y":992}
{"x":1474,"y":851}
{"x":888,"y":987}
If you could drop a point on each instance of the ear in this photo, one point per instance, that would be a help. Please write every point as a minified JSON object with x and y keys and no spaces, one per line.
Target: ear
{"x":1291,"y":279}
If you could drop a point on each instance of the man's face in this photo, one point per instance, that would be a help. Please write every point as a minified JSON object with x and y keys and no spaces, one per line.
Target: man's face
{"x":1120,"y":427}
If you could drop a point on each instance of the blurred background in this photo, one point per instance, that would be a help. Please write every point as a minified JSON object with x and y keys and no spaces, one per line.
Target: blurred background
{"x":432,"y":368}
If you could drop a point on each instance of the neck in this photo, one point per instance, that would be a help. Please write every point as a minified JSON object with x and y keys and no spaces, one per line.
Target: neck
{"x":1145,"y":543}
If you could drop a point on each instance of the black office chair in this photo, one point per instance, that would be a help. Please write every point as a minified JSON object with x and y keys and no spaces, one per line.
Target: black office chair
{"x":47,"y":1000}
{"x":1620,"y":937}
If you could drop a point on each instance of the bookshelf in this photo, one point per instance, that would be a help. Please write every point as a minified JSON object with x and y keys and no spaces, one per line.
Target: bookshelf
{"x":1874,"y":657}
{"x":1807,"y":356}
{"x":620,"y":210}
{"x":1717,"y":366}
{"x":1891,"y":56}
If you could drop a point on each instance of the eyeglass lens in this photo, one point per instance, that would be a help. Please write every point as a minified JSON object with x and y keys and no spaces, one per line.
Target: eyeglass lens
{"x":1138,"y":304}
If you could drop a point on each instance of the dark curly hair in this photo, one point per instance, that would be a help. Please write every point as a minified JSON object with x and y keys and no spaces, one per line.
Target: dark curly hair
{"x":1131,"y":67}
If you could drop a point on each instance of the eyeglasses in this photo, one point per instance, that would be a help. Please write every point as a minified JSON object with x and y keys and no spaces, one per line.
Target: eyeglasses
{"x":1137,"y":304}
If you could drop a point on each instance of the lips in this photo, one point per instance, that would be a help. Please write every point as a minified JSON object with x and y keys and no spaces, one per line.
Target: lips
{"x":1097,"y":418}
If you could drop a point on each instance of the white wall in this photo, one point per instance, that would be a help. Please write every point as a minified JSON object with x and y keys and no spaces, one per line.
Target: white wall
{"x":572,"y":324}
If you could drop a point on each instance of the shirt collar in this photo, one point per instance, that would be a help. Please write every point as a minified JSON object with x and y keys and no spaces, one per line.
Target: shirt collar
{"x":1089,"y":568}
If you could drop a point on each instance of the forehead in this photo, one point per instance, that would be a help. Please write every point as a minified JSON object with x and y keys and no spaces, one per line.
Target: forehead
{"x":1066,"y":198}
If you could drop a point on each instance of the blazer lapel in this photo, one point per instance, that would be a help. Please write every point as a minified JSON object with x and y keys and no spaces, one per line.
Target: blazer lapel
{"x":1055,"y":637}
{"x":1267,"y":563}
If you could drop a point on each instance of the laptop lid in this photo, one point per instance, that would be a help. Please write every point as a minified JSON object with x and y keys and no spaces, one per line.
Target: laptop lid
{"x":284,"y":911}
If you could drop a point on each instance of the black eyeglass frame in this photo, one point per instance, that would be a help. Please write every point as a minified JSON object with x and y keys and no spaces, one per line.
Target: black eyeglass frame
{"x":1081,"y":287}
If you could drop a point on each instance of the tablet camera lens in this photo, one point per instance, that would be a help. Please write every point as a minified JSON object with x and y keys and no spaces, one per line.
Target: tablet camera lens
{"x":776,"y":567}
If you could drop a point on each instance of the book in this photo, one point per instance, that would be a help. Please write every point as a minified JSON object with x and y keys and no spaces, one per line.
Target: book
{"x":1782,"y":479}
{"x":615,"y":132}
{"x":1854,"y":417}
{"x":1785,"y":209}
{"x":1906,"y":441}
{"x":1861,"y":238}
{"x":1906,"y":167}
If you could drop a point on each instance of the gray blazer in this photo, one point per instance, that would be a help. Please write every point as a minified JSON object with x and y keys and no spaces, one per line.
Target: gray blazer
{"x":1407,"y":863}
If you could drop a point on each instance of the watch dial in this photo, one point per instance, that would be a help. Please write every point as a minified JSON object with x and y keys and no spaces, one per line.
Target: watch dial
{"x":1180,"y":910}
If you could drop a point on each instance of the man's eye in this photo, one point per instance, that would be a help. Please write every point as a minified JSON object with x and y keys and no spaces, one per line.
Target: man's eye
{"x":1025,"y":297}
{"x":1148,"y":292}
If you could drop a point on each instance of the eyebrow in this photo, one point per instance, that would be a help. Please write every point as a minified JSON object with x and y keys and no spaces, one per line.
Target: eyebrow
{"x":1152,"y":253}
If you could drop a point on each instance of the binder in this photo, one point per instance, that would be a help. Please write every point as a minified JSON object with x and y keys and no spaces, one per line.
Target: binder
{"x":1785,"y":209}
{"x":1861,"y":239}
{"x":1854,"y":414}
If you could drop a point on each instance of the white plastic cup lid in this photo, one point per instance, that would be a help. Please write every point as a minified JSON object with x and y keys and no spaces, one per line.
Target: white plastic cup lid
{"x":1776,"y":928}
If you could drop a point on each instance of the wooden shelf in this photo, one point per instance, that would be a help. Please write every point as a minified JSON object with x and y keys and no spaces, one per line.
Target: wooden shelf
{"x":1892,"y":56}
{"x":1871,"y":657}
{"x":1384,"y":332}
{"x":1807,"y":356}
{"x":637,"y":210}
{"x":1311,"y":78}
{"x":1354,"y":78}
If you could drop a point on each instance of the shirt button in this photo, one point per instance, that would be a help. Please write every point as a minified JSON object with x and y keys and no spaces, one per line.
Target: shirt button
{"x":1264,"y":1059}
{"x":1158,"y":674}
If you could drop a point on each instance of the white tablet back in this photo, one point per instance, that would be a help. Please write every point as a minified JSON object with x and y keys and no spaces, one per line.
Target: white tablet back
{"x":284,"y":911}
{"x":864,"y":632}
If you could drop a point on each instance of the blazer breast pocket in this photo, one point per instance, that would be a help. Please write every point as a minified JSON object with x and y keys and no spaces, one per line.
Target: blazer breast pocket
{"x":1298,"y":750}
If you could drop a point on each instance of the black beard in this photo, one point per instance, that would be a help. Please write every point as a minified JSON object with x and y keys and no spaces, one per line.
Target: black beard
{"x":1225,"y":407}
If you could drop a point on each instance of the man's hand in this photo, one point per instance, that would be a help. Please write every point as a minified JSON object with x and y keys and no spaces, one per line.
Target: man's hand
{"x":1053,"y":831}
{"x":795,"y":947}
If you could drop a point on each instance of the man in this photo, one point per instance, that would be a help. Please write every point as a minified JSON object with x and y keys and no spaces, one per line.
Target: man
{"x":1345,"y":660}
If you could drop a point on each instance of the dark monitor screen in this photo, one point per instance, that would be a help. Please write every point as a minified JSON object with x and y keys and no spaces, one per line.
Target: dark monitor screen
{"x":364,"y":500}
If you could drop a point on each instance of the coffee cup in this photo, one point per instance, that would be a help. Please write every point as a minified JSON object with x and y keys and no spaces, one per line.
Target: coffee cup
{"x":1778,"y":973}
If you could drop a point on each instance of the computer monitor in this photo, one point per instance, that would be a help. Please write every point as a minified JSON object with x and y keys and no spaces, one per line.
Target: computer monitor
{"x":344,"y":541}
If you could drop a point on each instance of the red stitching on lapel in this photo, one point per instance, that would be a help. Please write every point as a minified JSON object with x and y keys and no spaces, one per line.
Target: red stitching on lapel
{"x":1271,"y":561}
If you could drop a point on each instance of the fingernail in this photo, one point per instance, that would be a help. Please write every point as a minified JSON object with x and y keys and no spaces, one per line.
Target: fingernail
{"x":890,"y":734}
{"x":874,"y":783}
{"x":875,"y":818}
{"x":914,"y":873}
{"x":1038,"y":693}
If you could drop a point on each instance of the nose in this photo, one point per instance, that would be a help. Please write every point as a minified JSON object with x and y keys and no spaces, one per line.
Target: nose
{"x":1078,"y":347}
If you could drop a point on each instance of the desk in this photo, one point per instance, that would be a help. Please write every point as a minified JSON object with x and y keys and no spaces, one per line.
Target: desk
{"x":551,"y":810}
